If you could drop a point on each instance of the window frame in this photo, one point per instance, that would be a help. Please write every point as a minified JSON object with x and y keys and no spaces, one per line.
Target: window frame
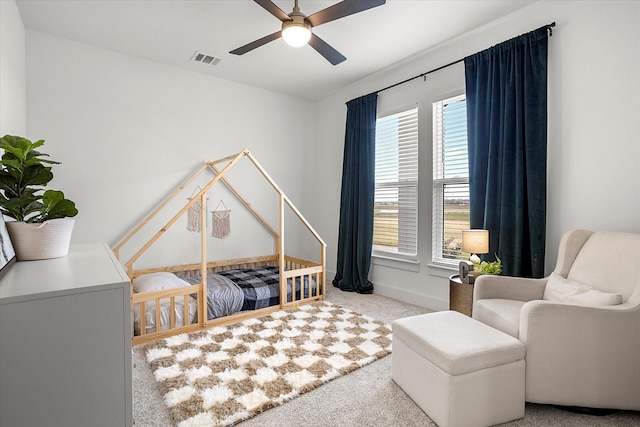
{"x":412,"y":112}
{"x":440,"y":183}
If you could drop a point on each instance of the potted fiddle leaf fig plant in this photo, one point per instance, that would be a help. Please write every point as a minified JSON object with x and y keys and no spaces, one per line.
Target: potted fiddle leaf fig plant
{"x":43,"y":217}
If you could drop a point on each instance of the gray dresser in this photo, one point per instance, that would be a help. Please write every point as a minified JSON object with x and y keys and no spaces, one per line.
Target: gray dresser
{"x":65,"y":341}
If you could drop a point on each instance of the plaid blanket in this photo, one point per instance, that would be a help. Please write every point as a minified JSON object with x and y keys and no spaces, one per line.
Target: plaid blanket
{"x":261,"y":286}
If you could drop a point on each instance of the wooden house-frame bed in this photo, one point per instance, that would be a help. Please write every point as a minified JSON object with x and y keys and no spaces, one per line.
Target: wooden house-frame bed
{"x":172,"y":310}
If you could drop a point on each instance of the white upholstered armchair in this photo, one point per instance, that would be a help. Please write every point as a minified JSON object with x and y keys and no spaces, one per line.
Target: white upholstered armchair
{"x":580,"y":325}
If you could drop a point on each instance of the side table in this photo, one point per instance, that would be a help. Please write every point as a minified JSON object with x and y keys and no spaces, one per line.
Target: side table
{"x":460,"y":295}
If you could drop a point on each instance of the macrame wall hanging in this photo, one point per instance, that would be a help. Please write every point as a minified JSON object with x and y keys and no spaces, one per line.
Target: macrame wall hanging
{"x":221,"y":219}
{"x":194,"y":212}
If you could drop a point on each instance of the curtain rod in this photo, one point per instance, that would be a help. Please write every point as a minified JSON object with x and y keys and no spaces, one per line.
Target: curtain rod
{"x":424,"y":75}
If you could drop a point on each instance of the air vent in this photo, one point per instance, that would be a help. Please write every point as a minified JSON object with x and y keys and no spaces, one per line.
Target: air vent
{"x":205,"y":59}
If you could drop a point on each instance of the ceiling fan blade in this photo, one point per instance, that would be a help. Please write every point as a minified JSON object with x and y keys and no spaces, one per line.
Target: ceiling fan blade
{"x":324,"y":49}
{"x":342,"y":9}
{"x":257,"y":43}
{"x":270,"y":7}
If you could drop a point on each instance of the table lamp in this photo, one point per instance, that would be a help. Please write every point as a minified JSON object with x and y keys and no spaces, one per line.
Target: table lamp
{"x":475,"y":242}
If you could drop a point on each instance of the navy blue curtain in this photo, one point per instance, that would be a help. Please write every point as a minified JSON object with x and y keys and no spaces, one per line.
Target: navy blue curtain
{"x":506,"y":90}
{"x":355,"y":235}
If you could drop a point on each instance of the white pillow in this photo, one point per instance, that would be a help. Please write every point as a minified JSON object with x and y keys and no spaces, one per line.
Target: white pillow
{"x":157,"y":281}
{"x":559,"y":289}
{"x":596,"y":298}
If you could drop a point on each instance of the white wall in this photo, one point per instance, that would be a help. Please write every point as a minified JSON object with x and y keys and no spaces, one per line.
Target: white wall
{"x":13,"y":103}
{"x":593,"y":149}
{"x":129,"y":131}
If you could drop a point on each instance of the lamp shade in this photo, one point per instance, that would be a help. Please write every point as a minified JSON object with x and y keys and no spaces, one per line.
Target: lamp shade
{"x":475,"y":241}
{"x":296,"y":33}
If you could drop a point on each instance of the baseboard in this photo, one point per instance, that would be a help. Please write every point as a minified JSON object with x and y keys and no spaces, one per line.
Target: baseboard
{"x":409,"y":297}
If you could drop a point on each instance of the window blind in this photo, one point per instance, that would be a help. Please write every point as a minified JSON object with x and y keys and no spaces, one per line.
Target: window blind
{"x":450,"y":179}
{"x":396,"y":184}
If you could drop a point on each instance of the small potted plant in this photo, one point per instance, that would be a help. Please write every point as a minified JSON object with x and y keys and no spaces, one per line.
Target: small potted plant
{"x":43,"y":218}
{"x":484,"y":267}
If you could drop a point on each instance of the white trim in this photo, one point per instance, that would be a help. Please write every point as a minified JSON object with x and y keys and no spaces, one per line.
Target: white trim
{"x":398,"y":110}
{"x":393,"y":262}
{"x":441,"y":270}
{"x":409,"y":297}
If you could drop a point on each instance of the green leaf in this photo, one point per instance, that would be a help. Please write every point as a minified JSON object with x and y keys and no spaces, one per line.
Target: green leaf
{"x":51,"y":197}
{"x":13,"y":145}
{"x":56,"y":206}
{"x":36,"y":175}
{"x":494,"y":267}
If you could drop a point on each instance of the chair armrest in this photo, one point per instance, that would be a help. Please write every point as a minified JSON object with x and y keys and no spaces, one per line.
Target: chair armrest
{"x":490,"y":286}
{"x":549,"y":319}
{"x":576,"y":352}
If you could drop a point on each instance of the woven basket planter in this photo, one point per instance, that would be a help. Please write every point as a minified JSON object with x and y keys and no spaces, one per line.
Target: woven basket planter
{"x":49,"y":239}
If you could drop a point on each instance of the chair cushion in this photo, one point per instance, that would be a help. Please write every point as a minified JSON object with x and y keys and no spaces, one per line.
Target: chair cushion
{"x":559,"y":289}
{"x":501,"y":314}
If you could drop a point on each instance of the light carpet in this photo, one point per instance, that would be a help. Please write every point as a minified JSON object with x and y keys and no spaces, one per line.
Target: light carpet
{"x":226,"y":374}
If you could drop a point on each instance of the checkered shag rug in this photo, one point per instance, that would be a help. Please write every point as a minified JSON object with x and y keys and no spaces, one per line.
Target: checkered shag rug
{"x":225,"y":374}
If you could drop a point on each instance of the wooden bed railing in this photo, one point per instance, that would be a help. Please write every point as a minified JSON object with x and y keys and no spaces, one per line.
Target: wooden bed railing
{"x":297,"y":270}
{"x":141,"y":300}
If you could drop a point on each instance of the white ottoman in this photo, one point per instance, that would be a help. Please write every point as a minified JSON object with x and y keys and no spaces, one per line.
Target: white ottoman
{"x":459,"y":371}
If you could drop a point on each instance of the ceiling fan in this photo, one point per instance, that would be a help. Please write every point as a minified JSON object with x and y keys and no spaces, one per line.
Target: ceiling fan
{"x":296,"y":27}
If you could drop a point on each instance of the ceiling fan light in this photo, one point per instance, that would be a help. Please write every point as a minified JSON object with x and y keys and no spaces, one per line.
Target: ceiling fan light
{"x":296,"y":34}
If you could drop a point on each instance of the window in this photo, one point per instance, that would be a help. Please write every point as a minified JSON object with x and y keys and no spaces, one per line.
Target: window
{"x":450,"y":180}
{"x":395,"y":230}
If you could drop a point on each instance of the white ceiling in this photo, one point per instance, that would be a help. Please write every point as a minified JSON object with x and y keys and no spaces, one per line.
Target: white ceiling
{"x":170,"y":31}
